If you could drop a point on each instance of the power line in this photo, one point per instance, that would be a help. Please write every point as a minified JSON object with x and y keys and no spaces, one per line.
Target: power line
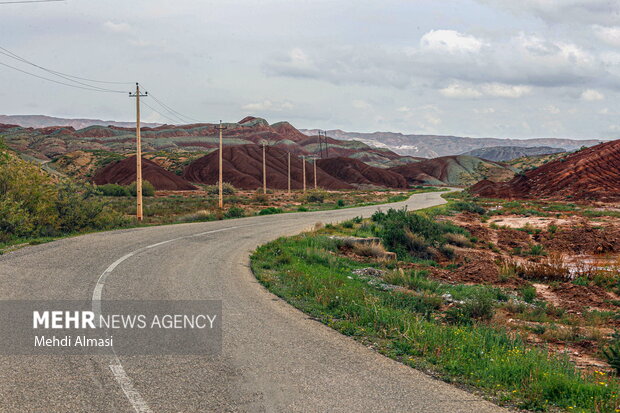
{"x":156,"y":111}
{"x":62,"y":83}
{"x":65,"y":76}
{"x":28,"y":1}
{"x":183,"y":118}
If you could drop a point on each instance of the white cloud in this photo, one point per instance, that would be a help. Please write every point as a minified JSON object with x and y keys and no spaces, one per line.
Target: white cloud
{"x":468,"y":91}
{"x":456,"y":90}
{"x":116,"y":27}
{"x":506,"y":91}
{"x":361,"y":104}
{"x":485,"y":111}
{"x":450,"y":41}
{"x":268,"y":105}
{"x":610,"y":35}
{"x":554,"y":110}
{"x":591,"y":95}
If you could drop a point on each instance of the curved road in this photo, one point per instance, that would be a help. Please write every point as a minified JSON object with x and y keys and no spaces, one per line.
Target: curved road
{"x":274,"y":358}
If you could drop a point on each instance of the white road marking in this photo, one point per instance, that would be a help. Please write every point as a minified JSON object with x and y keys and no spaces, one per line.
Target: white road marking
{"x":121,"y":377}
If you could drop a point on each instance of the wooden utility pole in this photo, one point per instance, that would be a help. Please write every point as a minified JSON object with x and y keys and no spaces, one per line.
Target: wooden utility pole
{"x":289,"y":173}
{"x":220,"y":189}
{"x":264,"y":171}
{"x":137,"y":95}
{"x":303,"y":167}
{"x":314,"y":173}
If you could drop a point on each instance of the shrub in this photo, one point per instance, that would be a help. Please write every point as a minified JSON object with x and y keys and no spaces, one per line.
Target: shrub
{"x":235,"y":212}
{"x":270,"y":211}
{"x":612,"y":353}
{"x":113,"y":190}
{"x":227,"y":189}
{"x":528,"y":293}
{"x":316,"y":196}
{"x":537,"y":249}
{"x":480,"y":307}
{"x":147,"y":189}
{"x":347,"y":224}
{"x":340,"y":203}
{"x":33,"y":205}
{"x":463,"y":206}
{"x":260,"y":198}
{"x":412,"y":234}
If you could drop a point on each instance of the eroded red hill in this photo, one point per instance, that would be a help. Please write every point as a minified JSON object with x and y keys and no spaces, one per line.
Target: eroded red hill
{"x":242,"y":167}
{"x":357,"y":172}
{"x":589,"y":174}
{"x":124,"y":173}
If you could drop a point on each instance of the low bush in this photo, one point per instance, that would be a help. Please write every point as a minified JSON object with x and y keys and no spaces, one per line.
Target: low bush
{"x":411,"y":234}
{"x":235,"y":212}
{"x":147,"y":189}
{"x":463,"y":206}
{"x":316,"y":196}
{"x":33,"y":205}
{"x":113,"y":190}
{"x":270,"y":211}
{"x":227,"y":189}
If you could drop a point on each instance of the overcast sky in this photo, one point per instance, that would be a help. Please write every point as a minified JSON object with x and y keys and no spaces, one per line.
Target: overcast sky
{"x":501,"y":68}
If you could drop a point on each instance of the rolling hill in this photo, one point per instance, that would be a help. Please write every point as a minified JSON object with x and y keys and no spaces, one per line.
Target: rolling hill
{"x":508,"y":153}
{"x":53,"y":142}
{"x":432,"y":146}
{"x":454,"y":170}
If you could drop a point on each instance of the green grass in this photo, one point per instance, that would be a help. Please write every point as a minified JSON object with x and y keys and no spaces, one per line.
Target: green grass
{"x":305,"y":271}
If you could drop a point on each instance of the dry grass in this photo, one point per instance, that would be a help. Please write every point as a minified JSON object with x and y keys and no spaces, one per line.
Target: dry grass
{"x":554,"y":268}
{"x":459,"y":240}
{"x":373,"y":250}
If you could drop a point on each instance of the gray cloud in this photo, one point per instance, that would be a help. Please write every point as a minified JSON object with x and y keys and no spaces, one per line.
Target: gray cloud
{"x":603,"y":12}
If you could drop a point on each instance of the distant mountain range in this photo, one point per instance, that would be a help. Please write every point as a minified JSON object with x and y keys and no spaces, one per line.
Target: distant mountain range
{"x":507,"y":153}
{"x":42,"y":121}
{"x":433,"y":146}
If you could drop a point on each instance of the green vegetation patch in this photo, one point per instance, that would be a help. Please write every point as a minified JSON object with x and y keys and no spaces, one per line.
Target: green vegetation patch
{"x":459,"y":345}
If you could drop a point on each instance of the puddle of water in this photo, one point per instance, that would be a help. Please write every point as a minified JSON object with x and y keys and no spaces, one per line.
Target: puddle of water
{"x":588,"y":264}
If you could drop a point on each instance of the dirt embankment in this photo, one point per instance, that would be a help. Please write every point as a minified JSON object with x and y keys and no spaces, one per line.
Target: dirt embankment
{"x":589,"y":174}
{"x":124,"y":173}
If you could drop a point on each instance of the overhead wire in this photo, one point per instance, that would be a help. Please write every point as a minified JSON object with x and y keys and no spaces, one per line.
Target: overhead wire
{"x":59,"y":82}
{"x":70,"y":78}
{"x":29,"y":1}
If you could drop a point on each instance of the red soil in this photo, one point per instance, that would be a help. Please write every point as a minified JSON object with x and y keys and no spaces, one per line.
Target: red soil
{"x":243,"y":167}
{"x":357,"y":172}
{"x":590,"y":174}
{"x":124,"y":173}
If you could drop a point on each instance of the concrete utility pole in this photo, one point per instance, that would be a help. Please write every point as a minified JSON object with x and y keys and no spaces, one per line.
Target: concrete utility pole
{"x":137,"y":95}
{"x":289,"y":173}
{"x":221,"y":190}
{"x":303,"y":167}
{"x":314,"y":173}
{"x":264,"y":171}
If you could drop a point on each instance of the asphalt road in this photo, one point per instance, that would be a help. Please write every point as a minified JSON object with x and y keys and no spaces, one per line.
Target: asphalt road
{"x":274,"y":358}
